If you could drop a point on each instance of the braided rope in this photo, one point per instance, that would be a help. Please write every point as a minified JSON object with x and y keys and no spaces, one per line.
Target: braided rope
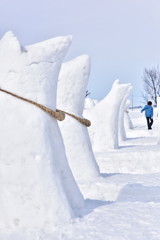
{"x":58,"y":114}
{"x":84,"y":121}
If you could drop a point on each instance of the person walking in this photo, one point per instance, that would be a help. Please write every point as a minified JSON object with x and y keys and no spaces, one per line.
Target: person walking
{"x":149,"y":114}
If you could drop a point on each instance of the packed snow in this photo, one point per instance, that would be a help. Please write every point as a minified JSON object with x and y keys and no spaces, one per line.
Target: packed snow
{"x":71,"y":90}
{"x":121,"y":126}
{"x":124,"y":204}
{"x":158,"y":115}
{"x":117,"y":194}
{"x":37,"y":186}
{"x":105,"y":118}
{"x":127,"y":120}
{"x":89,"y":102}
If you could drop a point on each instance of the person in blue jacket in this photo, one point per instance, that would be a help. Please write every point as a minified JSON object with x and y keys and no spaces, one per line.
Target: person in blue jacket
{"x":149,"y":114}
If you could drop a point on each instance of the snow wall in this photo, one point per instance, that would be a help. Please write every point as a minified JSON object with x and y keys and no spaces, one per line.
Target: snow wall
{"x":105,"y":118}
{"x":37,"y":187}
{"x":122,"y":131}
{"x":72,"y":84}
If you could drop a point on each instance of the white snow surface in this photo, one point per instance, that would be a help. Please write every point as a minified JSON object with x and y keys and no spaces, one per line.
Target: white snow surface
{"x":105,"y":118}
{"x":89,"y":102}
{"x":122,"y":128}
{"x":127,"y":120}
{"x":72,"y":84}
{"x":158,"y":114}
{"x":124,"y":204}
{"x":38,"y":190}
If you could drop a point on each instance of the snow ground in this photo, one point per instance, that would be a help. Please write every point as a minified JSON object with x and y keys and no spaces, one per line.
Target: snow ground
{"x":122,"y":204}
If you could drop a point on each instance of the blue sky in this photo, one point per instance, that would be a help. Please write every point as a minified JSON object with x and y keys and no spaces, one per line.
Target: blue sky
{"x":122,"y":37}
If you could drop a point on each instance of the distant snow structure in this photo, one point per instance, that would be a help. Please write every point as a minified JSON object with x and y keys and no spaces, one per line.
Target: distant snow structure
{"x":38,"y":190}
{"x":89,"y":102}
{"x":95,"y":101}
{"x":158,"y":114}
{"x":127,"y":120}
{"x":122,"y":112}
{"x":71,"y":91}
{"x":105,"y":118}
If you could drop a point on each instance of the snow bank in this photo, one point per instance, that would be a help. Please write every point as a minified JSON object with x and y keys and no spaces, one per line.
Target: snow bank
{"x":122,"y":131}
{"x":71,"y":91}
{"x":37,"y":186}
{"x":105,"y":117}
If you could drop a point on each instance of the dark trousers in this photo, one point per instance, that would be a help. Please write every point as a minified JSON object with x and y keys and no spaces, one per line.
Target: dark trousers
{"x":149,"y":122}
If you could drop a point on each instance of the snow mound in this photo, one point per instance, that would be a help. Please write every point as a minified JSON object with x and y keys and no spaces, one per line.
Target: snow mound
{"x":105,"y":118}
{"x":71,"y":91}
{"x":37,"y":187}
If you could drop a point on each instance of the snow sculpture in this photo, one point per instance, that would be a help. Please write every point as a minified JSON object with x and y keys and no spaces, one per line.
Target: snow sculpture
{"x":95,"y":101}
{"x":71,"y":91}
{"x":122,"y":131}
{"x":37,"y":187}
{"x":89,"y":102}
{"x":105,"y":117}
{"x":158,"y":114}
{"x":127,"y":120}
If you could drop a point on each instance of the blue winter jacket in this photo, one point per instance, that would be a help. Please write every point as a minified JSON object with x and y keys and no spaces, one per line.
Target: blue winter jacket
{"x":148,"y":111}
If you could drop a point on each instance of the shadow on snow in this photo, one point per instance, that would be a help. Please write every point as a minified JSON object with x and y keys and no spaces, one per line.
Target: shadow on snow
{"x":139,"y":193}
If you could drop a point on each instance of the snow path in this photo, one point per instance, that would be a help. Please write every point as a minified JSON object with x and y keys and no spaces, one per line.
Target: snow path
{"x":138,"y":154}
{"x":122,"y":204}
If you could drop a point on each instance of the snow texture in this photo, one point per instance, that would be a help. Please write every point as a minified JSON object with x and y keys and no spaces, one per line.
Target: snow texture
{"x":71,"y":91}
{"x":38,"y":190}
{"x":105,"y":118}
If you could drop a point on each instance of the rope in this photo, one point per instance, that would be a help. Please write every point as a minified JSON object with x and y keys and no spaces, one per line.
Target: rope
{"x":58,"y":114}
{"x":84,"y":121}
